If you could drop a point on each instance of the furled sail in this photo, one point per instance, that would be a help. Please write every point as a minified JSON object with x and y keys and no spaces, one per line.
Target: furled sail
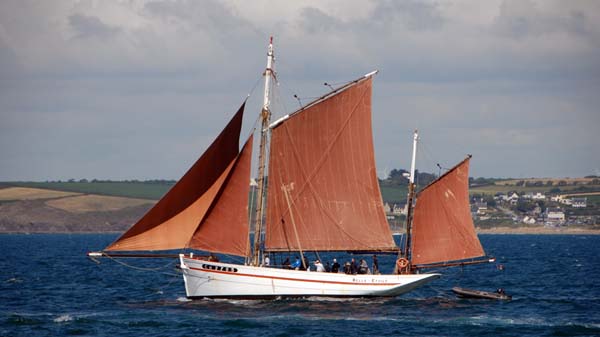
{"x":323,"y":191}
{"x":172,"y":222}
{"x":442,"y":227}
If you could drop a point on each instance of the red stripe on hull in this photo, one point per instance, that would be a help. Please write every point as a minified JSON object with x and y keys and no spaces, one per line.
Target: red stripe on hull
{"x":294,"y":279}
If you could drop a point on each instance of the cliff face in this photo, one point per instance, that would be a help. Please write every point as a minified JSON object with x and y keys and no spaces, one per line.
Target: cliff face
{"x":37,"y":216}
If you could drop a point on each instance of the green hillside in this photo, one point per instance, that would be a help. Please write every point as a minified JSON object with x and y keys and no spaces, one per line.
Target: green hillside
{"x":152,"y":190}
{"x":391,"y":192}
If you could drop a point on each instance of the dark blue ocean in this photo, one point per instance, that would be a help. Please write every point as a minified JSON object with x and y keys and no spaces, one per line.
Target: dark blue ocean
{"x":48,"y":287}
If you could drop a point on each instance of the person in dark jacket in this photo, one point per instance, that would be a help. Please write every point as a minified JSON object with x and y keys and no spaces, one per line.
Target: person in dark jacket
{"x":375,"y":265}
{"x":353,"y":267}
{"x":335,"y":267}
{"x":347,"y":268}
{"x":306,"y":265}
{"x":286,"y":263}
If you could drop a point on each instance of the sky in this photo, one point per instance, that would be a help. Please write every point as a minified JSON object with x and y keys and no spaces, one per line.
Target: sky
{"x":138,"y":89}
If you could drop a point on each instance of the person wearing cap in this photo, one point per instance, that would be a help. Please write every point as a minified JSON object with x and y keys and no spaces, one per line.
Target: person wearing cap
{"x":319,"y":266}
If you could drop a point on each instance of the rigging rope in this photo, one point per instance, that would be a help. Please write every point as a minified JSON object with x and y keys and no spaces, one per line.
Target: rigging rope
{"x":139,"y":268}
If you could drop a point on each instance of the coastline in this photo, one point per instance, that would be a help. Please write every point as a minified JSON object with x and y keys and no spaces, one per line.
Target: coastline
{"x":538,"y":230}
{"x":529,"y":230}
{"x":493,"y":230}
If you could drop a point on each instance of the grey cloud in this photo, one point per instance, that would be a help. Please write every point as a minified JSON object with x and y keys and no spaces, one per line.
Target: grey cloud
{"x":523,"y":18}
{"x":315,"y":21}
{"x":210,"y":16}
{"x":414,"y":15}
{"x":90,"y":26}
{"x":9,"y":64}
{"x":155,"y":81}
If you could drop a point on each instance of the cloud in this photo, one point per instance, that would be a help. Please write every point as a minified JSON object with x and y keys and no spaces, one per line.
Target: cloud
{"x":412,"y":15}
{"x":139,"y":87}
{"x":524,"y":18}
{"x":91,"y":26}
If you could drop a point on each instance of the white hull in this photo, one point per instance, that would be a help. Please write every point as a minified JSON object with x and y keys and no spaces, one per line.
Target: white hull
{"x":215,"y":279}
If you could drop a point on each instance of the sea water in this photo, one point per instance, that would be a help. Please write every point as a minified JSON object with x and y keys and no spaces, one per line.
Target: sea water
{"x":48,"y":287}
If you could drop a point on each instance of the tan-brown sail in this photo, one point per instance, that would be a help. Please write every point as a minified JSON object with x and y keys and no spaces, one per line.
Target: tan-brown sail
{"x":323,"y":155}
{"x":225,"y":228}
{"x":174,"y":219}
{"x":442,"y":228}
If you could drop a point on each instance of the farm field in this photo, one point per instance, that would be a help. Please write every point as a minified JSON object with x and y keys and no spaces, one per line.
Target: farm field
{"x":569,"y":181}
{"x":493,"y":189}
{"x":140,"y":190}
{"x":154,"y":191}
{"x":37,"y":210}
{"x":23,"y":193}
{"x":393,"y":193}
{"x":95,"y":203}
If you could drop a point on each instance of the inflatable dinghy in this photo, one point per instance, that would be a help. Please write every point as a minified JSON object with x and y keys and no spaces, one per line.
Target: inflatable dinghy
{"x":471,"y":293}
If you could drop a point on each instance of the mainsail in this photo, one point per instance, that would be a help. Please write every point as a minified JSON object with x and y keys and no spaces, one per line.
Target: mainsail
{"x":322,"y":157}
{"x":442,"y":228}
{"x":177,"y":220}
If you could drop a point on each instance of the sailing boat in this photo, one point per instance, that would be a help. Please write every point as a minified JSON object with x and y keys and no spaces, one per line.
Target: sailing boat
{"x":323,"y":195}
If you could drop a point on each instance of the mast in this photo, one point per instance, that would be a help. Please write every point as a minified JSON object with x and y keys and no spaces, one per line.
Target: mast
{"x":411,"y":196}
{"x":266,"y":117}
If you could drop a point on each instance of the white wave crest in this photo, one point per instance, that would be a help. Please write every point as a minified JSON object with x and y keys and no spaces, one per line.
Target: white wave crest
{"x":63,"y":318}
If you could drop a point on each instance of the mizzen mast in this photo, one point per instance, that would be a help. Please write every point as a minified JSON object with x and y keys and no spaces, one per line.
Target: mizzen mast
{"x":411,"y":197}
{"x":266,"y":117}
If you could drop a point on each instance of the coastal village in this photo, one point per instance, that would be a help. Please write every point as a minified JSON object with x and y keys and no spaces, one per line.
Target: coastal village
{"x":550,"y":209}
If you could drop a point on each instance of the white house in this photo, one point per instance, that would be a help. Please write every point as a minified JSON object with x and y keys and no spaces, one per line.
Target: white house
{"x":538,"y":196}
{"x":554,"y":215}
{"x":387,"y":208}
{"x":579,"y":202}
{"x":399,"y":209}
{"x":481,"y":207}
{"x":513,"y":199}
{"x":566,"y":201}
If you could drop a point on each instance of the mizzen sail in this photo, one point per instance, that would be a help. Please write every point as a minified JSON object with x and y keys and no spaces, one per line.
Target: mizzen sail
{"x":322,"y":157}
{"x":442,"y":228}
{"x":172,"y":222}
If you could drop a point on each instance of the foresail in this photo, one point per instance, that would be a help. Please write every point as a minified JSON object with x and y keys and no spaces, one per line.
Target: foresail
{"x":323,"y":192}
{"x":442,"y":227}
{"x":174,"y":219}
{"x":224,"y":229}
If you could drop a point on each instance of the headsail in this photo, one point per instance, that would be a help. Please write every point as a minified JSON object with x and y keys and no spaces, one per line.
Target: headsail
{"x":442,"y":228}
{"x":225,"y":228}
{"x":172,"y":222}
{"x":323,"y":156}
